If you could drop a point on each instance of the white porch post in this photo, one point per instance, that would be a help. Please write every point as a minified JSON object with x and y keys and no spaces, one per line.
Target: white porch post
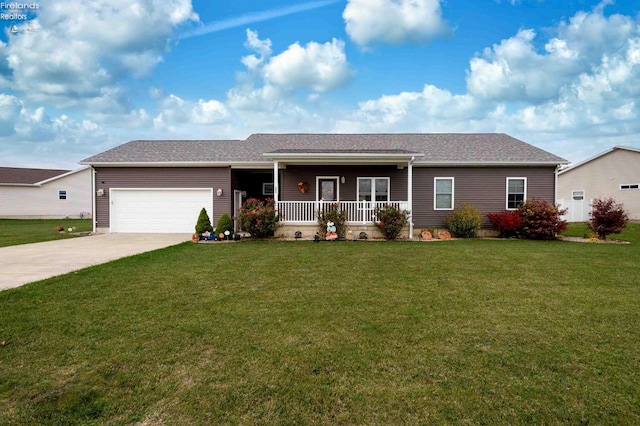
{"x":410,"y":196}
{"x":276,"y":189}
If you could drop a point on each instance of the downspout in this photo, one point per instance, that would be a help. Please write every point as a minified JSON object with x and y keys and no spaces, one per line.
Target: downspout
{"x":276,"y":189}
{"x":555,"y":184}
{"x":410,"y":195}
{"x":93,"y":199}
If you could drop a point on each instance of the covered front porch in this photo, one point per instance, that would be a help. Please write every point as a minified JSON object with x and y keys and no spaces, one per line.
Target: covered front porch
{"x":357,"y":182}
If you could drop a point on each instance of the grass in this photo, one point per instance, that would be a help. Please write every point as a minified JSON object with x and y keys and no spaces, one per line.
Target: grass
{"x":24,"y":231}
{"x":458,"y":332}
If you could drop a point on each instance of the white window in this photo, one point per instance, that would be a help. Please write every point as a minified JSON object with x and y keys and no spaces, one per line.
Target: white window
{"x":443,"y":193}
{"x":516,"y":192}
{"x":373,"y":189}
{"x":62,"y":194}
{"x":577,"y":195}
{"x":627,"y":186}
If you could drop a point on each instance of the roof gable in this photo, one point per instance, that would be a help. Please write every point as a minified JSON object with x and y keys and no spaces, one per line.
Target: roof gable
{"x":598,"y":156}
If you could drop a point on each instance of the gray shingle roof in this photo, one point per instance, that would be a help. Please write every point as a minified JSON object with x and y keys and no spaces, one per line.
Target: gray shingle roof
{"x":19,"y":175}
{"x":438,"y":148}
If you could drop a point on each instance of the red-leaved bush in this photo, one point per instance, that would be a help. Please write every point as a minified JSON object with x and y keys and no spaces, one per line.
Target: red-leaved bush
{"x":607,"y":217}
{"x":507,"y":223}
{"x":541,"y":220}
{"x":259,"y":217}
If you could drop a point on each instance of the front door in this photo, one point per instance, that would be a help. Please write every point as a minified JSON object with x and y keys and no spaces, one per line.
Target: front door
{"x":328,"y":189}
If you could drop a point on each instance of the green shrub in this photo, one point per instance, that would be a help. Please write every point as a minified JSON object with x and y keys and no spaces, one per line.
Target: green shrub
{"x":541,"y":220}
{"x":464,"y":222}
{"x":259,"y":217}
{"x":607,"y":217}
{"x":204,"y":223}
{"x":335,"y":215}
{"x":391,"y":220}
{"x":224,"y":224}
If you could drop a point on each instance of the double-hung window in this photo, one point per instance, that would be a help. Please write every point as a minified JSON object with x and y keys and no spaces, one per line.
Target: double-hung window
{"x":443,"y":193}
{"x":577,"y":195}
{"x":62,"y":194}
{"x":516,"y":192}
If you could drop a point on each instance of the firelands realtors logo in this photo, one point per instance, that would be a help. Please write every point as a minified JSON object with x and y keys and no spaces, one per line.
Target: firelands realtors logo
{"x":18,"y":13}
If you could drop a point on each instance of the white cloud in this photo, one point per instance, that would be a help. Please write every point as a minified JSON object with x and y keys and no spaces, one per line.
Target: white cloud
{"x":394,"y":21}
{"x":319,"y":67}
{"x":81,"y":47}
{"x":269,"y":80}
{"x":175,"y":112}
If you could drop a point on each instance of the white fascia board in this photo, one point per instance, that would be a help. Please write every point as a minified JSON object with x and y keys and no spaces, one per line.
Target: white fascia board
{"x":165,"y":164}
{"x":485,"y":164}
{"x":344,"y":157}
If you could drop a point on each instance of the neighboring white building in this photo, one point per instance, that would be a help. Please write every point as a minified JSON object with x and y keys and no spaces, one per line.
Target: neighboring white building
{"x":613,"y":173}
{"x":44,"y":193}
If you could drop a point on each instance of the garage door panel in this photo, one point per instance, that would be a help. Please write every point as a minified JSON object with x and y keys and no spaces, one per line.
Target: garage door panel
{"x":158,"y":211}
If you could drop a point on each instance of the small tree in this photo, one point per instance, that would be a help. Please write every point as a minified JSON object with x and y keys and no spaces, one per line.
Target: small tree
{"x":335,"y":215}
{"x":259,"y":217}
{"x":464,"y":222}
{"x":541,"y":220}
{"x":204,"y":223}
{"x":607,"y":217}
{"x":391,"y":221}
{"x":224,"y":224}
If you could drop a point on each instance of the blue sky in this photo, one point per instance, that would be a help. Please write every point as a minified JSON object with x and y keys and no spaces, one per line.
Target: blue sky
{"x":79,"y":77}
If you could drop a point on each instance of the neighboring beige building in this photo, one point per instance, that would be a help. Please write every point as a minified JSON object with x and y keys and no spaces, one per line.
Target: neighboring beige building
{"x":613,"y":173}
{"x":44,"y":193}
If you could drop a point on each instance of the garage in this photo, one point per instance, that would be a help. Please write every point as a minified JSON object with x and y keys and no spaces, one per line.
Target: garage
{"x":158,"y":210}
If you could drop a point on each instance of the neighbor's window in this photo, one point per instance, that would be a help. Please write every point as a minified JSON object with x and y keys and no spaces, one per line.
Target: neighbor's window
{"x":629,"y":186}
{"x":373,"y":189}
{"x":516,"y":192}
{"x":443,"y":193}
{"x":62,"y":195}
{"x":577,"y":195}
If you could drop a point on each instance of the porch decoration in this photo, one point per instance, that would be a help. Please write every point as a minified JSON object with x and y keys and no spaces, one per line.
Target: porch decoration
{"x":303,"y":186}
{"x":426,"y":235}
{"x":333,"y":214}
{"x":331,"y":232}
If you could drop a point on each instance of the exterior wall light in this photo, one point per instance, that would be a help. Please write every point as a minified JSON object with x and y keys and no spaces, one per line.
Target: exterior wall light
{"x":219,"y":192}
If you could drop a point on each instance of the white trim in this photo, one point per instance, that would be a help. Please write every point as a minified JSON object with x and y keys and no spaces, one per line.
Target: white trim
{"x":111,"y":190}
{"x":507,"y":191}
{"x":453,"y":192}
{"x":93,"y":200}
{"x":410,"y":196}
{"x":337,"y":179}
{"x":373,"y":190}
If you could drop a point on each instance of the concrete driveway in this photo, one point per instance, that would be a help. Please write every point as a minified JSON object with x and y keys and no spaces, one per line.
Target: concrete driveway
{"x":33,"y":262}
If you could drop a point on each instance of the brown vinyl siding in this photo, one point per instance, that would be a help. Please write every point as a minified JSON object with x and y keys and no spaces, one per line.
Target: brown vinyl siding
{"x":290,"y":177}
{"x":164,"y":177}
{"x":485,"y":187}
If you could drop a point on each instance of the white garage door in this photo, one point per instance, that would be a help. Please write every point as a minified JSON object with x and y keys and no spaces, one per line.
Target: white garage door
{"x":158,"y":210}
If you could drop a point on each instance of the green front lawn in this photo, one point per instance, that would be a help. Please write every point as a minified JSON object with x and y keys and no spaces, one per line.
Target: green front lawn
{"x":459,"y":332}
{"x":24,"y":231}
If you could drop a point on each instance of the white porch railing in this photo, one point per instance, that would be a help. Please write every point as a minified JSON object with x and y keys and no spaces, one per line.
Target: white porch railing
{"x":357,"y":211}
